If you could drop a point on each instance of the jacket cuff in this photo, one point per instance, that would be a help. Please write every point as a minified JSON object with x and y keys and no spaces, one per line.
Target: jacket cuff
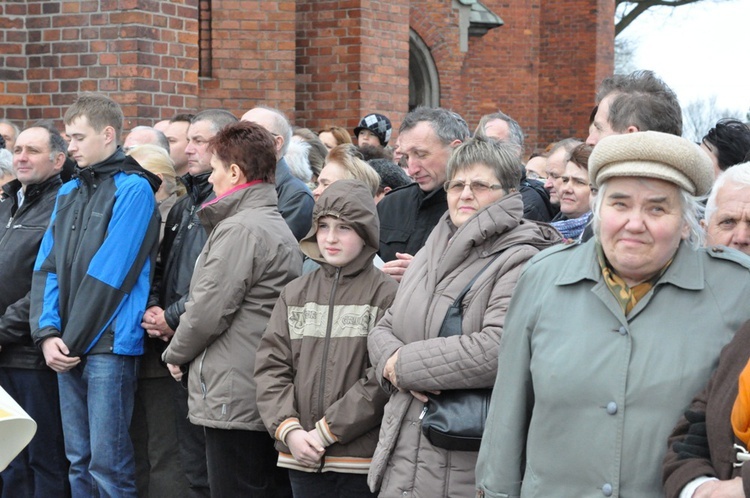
{"x":42,"y":335}
{"x":153,"y":300}
{"x":287,"y":426}
{"x":172,"y":318}
{"x":321,"y":426}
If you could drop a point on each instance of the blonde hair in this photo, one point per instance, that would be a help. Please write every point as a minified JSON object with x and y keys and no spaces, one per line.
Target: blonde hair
{"x":350,"y":159}
{"x":156,"y":160}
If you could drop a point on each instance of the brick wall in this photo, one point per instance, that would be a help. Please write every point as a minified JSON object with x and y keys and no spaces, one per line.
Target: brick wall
{"x":541,"y":67}
{"x":576,"y":53}
{"x":321,"y":61}
{"x":253,"y":50}
{"x":503,"y":67}
{"x":143,"y":53}
{"x":352,"y":59}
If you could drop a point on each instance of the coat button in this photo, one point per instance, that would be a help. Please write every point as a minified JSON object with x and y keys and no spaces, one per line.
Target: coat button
{"x":611,"y":407}
{"x":623,"y":331}
{"x":607,"y":489}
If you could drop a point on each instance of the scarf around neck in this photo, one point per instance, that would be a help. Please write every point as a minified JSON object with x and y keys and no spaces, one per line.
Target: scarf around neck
{"x":572,"y":229}
{"x":626,"y":296}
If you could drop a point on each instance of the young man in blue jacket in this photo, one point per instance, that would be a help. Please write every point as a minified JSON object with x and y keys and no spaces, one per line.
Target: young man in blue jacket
{"x":89,"y":289}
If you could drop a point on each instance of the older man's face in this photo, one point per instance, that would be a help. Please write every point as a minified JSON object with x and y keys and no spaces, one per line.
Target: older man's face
{"x":730,"y":223}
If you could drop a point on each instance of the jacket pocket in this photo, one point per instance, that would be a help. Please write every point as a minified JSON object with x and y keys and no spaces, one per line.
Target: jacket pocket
{"x":216,"y":374}
{"x":392,"y":235}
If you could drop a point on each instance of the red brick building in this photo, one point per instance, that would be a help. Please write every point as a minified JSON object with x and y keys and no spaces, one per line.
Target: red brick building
{"x":321,"y":61}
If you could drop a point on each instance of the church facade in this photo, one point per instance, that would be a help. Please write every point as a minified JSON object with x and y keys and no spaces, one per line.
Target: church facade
{"x":320,"y":61}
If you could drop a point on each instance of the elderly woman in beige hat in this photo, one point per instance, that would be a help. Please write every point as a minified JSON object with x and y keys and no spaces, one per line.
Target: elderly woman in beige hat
{"x":606,"y":342}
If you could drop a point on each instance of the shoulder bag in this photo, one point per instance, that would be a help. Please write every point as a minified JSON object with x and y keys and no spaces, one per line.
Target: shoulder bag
{"x":455,"y":418}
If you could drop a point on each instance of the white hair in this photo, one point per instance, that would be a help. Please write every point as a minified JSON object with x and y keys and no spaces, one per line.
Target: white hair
{"x":735,"y":177}
{"x":6,"y":163}
{"x":297,"y":159}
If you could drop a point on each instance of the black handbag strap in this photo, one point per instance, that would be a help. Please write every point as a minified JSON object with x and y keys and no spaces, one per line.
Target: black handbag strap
{"x":463,"y":293}
{"x":452,"y":322}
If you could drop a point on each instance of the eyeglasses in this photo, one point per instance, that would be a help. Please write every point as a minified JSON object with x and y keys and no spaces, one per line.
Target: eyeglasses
{"x":476,"y":187}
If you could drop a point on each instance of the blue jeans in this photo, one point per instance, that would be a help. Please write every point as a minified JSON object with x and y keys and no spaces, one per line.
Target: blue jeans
{"x":96,"y":403}
{"x":41,"y":469}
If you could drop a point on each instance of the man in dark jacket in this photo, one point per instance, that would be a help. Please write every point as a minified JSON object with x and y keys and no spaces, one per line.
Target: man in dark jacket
{"x":295,"y":199}
{"x":90,"y":284}
{"x":26,"y":203}
{"x":184,"y":237}
{"x":407,"y":215}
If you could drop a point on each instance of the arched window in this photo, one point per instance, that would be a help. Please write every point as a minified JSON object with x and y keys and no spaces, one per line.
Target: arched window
{"x":424,"y":84}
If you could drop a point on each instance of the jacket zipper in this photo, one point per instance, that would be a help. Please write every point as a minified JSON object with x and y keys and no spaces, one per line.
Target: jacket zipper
{"x":85,"y":192}
{"x":20,"y":211}
{"x":204,"y":391}
{"x":326,"y":346}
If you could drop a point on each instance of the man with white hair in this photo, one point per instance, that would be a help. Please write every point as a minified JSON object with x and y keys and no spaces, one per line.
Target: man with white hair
{"x":727,"y":220}
{"x":295,"y":199}
{"x":9,"y":131}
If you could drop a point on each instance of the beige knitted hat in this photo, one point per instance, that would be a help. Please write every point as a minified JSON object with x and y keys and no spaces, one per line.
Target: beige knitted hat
{"x":652,"y":154}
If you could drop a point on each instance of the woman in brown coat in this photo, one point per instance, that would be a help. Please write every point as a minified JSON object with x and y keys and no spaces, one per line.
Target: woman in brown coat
{"x":483,"y":221}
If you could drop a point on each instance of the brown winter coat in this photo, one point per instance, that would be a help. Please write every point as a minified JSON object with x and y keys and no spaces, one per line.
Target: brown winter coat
{"x":249,"y":257}
{"x":405,"y":463}
{"x":715,"y":402}
{"x":312,"y":366}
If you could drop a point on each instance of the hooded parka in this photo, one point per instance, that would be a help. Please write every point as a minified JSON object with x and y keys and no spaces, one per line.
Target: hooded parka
{"x":316,"y":342}
{"x":405,"y":464}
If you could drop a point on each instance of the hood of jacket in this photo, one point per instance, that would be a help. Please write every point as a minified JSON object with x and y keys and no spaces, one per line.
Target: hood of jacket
{"x":350,"y":201}
{"x":247,"y":196}
{"x":117,"y":162}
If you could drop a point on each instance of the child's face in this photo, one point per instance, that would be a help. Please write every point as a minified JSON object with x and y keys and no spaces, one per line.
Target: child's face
{"x":338,"y":242}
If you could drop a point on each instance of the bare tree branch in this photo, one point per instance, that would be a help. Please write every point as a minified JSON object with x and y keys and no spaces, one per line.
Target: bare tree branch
{"x":638,"y":7}
{"x":701,"y":115}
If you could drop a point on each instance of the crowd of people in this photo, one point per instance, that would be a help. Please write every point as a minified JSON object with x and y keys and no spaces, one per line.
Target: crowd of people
{"x":216,"y":306}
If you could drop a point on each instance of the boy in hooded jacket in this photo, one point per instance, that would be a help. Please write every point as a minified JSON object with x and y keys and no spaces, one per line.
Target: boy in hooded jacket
{"x":317,"y":391}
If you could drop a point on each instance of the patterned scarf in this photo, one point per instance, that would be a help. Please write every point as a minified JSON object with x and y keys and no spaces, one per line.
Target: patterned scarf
{"x":627,"y":296}
{"x":741,"y":408}
{"x":572,"y":229}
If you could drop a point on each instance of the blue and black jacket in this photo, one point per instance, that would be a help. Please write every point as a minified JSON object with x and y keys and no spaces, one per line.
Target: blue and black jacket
{"x":93,"y":271}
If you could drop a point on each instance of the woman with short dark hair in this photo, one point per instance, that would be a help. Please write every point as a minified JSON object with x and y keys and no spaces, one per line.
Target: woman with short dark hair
{"x":483,"y":229}
{"x":249,"y":257}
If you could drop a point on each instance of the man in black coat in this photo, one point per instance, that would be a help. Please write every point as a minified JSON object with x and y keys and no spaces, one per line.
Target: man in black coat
{"x":26,"y":204}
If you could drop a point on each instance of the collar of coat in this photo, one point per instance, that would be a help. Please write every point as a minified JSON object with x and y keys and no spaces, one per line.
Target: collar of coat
{"x":250,"y":195}
{"x":686,"y":271}
{"x":493,"y":229}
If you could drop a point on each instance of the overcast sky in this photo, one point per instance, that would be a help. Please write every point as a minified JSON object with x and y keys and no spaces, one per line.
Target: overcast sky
{"x":699,"y":49}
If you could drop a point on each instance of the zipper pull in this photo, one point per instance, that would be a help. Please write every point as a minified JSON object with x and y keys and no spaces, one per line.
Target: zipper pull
{"x":424,"y":412}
